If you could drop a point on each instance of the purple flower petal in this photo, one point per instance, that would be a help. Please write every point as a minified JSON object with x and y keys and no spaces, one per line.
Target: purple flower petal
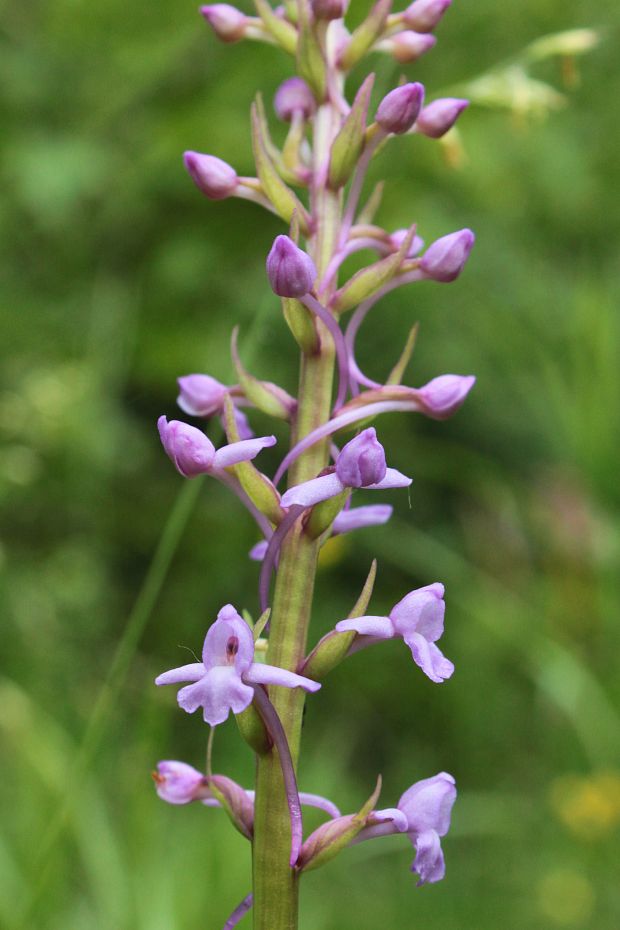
{"x":220,"y":691}
{"x":313,"y":491}
{"x":429,"y":862}
{"x":179,"y":783}
{"x":421,"y":611}
{"x":428,"y":804}
{"x":257,"y":552}
{"x":242,"y":451}
{"x":260,"y":674}
{"x":192,"y":672}
{"x":393,"y":479}
{"x":229,"y":642}
{"x":429,"y":657}
{"x":200,"y":395}
{"x":190,"y":450}
{"x":361,"y":462}
{"x":443,"y":396}
{"x":377,"y":627}
{"x":356,"y":518}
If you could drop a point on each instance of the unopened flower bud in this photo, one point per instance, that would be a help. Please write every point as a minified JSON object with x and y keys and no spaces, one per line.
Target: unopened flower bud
{"x":399,"y":110}
{"x":439,"y":116}
{"x":444,"y":395}
{"x":409,"y":46}
{"x":179,"y":783}
{"x":398,"y":237}
{"x":291,"y":271}
{"x":362,"y":461}
{"x":200,"y":395}
{"x":189,"y":449}
{"x":227,"y":22}
{"x":423,"y":15}
{"x":214,"y":177}
{"x":294,"y":96}
{"x":445,"y":259}
{"x":329,"y":9}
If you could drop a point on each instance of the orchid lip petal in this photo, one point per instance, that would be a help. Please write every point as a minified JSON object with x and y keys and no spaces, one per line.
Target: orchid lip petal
{"x":313,"y":492}
{"x":192,"y":672}
{"x":242,"y":451}
{"x":429,"y":658}
{"x":260,"y":674}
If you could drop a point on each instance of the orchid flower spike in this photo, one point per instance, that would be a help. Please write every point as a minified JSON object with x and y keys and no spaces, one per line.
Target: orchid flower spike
{"x":418,"y":619}
{"x":223,"y":680}
{"x":360,"y":464}
{"x":427,"y":807}
{"x":194,"y":454}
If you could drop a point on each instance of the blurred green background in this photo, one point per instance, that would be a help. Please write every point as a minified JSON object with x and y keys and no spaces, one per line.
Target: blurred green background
{"x":117,"y":277}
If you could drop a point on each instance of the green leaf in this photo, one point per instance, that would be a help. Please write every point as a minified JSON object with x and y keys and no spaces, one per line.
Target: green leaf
{"x":366,"y":34}
{"x":348,"y":144}
{"x":311,"y":64}
{"x":265,"y":395}
{"x":301,"y":324}
{"x":257,"y":486}
{"x":284,"y":34}
{"x":281,"y":196}
{"x":397,"y":372}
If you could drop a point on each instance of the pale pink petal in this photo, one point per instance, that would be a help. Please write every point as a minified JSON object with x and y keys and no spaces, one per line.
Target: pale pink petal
{"x":220,"y":691}
{"x":430,"y":659}
{"x":428,"y":804}
{"x":356,"y":518}
{"x":192,"y":672}
{"x":241,"y":451}
{"x":377,"y":627}
{"x":229,"y":642}
{"x":393,"y":479}
{"x":429,"y":861}
{"x":421,"y":611}
{"x":313,"y":492}
{"x":270,"y":675}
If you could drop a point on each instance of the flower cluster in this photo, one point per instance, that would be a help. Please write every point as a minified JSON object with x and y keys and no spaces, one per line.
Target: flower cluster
{"x":314,"y":182}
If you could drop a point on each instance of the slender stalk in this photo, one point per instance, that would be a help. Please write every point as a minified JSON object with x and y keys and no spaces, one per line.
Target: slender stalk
{"x":275,"y":883}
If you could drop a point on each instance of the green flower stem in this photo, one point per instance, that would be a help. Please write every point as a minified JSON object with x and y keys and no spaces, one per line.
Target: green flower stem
{"x":276,"y":890}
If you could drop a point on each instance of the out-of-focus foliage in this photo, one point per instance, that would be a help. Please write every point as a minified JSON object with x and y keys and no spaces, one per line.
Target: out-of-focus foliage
{"x":117,"y":277}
